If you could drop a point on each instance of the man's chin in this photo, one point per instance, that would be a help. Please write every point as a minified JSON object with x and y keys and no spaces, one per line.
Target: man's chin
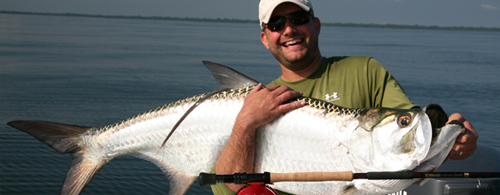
{"x":296,"y":64}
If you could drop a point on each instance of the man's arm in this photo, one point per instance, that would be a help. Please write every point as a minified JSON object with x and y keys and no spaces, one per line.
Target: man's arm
{"x":261,"y":106}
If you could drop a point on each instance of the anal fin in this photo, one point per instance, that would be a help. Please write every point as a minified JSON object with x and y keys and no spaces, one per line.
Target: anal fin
{"x":179,"y":184}
{"x":179,"y":181}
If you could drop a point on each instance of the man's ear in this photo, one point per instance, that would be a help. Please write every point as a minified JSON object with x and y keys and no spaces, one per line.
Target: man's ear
{"x":317,"y":24}
{"x":264,"y":39}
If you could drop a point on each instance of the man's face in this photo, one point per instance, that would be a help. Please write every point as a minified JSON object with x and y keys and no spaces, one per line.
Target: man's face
{"x":294,"y":46}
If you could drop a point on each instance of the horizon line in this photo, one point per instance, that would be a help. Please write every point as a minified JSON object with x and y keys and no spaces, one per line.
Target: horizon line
{"x":228,"y":20}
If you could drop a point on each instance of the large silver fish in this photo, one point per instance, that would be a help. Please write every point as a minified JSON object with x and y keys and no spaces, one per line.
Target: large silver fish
{"x":317,"y":137}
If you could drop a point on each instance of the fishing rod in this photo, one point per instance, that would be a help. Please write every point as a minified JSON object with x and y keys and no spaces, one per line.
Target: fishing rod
{"x":269,"y":178}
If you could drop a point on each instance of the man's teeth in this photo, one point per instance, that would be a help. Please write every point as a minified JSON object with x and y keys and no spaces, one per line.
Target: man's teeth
{"x":293,"y":42}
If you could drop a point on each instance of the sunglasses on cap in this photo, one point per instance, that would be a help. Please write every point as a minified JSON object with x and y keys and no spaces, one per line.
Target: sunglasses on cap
{"x":277,"y":23}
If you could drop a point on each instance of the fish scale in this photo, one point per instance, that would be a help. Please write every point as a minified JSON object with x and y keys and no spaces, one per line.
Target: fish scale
{"x":317,"y":137}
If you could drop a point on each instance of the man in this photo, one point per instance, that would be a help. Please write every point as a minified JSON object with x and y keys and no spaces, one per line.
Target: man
{"x":290,"y":31}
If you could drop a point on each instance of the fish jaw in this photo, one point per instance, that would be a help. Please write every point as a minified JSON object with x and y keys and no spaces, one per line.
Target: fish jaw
{"x":423,"y":136}
{"x":441,"y":146}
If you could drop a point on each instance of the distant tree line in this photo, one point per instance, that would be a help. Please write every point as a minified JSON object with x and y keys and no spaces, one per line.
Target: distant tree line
{"x":391,"y":26}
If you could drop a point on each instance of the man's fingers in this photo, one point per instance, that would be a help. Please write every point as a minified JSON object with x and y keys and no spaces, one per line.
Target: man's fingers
{"x":279,"y":90}
{"x":256,"y":88}
{"x":272,"y":87}
{"x":282,"y":109}
{"x":468,"y":136}
{"x":289,"y":95}
{"x":456,"y":116}
{"x":282,"y":94}
{"x":462,"y":151}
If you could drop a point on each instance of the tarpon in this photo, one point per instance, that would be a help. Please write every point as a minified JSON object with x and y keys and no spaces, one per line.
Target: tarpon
{"x":319,"y":137}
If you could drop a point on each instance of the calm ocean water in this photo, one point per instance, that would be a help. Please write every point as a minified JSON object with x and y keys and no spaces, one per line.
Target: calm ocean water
{"x":96,"y":71}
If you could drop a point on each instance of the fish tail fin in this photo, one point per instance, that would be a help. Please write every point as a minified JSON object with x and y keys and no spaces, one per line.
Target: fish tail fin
{"x":79,"y":174}
{"x":64,"y":138}
{"x":61,"y":137}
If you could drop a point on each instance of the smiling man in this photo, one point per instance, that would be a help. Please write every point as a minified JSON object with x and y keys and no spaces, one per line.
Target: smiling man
{"x":295,"y":45}
{"x":290,"y":31}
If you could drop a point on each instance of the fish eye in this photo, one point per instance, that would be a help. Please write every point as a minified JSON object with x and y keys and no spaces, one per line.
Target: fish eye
{"x":404,"y":120}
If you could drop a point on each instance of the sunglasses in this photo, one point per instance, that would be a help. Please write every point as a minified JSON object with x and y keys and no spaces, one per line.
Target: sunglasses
{"x":277,"y":23}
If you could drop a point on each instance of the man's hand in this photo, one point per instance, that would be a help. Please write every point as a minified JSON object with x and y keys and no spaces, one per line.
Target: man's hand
{"x":261,"y":106}
{"x":465,"y":145}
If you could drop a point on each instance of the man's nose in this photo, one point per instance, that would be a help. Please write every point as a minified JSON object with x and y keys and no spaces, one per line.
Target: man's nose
{"x":289,"y":27}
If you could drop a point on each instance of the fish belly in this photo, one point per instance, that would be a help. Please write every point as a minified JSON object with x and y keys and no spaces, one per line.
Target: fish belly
{"x":305,"y":140}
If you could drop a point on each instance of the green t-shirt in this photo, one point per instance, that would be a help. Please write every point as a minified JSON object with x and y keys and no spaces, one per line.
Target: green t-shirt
{"x":351,"y":82}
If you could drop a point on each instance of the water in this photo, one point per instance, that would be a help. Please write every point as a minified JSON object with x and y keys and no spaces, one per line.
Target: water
{"x":95,"y":71}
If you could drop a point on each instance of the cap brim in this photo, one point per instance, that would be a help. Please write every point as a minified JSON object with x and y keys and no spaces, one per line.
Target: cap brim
{"x":268,"y":15}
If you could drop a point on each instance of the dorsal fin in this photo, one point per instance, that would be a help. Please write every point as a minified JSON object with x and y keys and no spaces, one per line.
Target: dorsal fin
{"x":227,"y":78}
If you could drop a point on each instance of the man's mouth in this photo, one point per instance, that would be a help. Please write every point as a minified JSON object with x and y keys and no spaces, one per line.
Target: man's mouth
{"x":293,"y":42}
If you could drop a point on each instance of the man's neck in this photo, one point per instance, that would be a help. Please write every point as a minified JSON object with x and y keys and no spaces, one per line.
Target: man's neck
{"x":292,"y":76}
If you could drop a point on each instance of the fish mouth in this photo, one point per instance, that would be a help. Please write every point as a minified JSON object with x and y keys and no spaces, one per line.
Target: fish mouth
{"x":422,"y":135}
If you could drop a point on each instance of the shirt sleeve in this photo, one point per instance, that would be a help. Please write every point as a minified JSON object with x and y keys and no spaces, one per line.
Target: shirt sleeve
{"x":221,"y":189}
{"x":385,"y":89}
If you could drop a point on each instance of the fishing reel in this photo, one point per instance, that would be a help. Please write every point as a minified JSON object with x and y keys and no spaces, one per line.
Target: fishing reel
{"x":258,"y":188}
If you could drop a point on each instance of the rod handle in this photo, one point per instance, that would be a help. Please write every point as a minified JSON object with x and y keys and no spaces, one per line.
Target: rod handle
{"x":312,"y":176}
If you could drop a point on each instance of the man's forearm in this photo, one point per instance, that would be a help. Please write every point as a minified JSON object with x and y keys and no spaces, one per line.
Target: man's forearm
{"x":262,"y":105}
{"x":239,"y":153}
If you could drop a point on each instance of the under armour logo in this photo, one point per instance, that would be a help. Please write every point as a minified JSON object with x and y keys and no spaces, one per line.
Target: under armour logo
{"x":332,"y":97}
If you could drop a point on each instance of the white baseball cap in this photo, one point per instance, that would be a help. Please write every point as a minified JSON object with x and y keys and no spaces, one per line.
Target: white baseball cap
{"x":266,"y":8}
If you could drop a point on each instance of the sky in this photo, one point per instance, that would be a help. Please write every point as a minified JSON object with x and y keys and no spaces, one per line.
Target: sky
{"x":467,"y":13}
